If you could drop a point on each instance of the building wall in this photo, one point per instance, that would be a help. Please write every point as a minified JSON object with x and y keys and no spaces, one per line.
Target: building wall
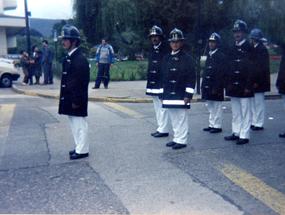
{"x":3,"y":42}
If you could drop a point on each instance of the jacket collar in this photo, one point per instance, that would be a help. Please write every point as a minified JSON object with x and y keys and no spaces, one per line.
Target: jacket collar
{"x":241,"y":42}
{"x":72,"y":51}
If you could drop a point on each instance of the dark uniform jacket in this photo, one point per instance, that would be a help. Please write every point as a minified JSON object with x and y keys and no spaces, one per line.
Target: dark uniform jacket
{"x":178,"y":80}
{"x":74,"y":85}
{"x":261,"y":71}
{"x":280,"y":84}
{"x":213,"y":77}
{"x":153,"y":86}
{"x":239,"y":74}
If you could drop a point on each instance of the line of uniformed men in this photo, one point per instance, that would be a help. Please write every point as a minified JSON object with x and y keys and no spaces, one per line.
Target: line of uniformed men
{"x":243,"y":73}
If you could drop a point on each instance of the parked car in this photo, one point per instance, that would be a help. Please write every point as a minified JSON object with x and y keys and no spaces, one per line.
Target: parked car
{"x":8,"y":72}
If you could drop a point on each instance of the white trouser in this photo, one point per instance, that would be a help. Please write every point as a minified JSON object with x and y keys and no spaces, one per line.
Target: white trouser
{"x":258,"y":110}
{"x":162,"y":117}
{"x":79,"y":128}
{"x":241,"y":120}
{"x":179,"y":122}
{"x":216,"y":113}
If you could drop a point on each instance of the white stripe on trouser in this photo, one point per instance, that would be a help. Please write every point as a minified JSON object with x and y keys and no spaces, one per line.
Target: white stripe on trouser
{"x":79,"y":128}
{"x":162,"y":117}
{"x":241,"y":113}
{"x":216,"y":114}
{"x":258,"y":109}
{"x":179,"y":122}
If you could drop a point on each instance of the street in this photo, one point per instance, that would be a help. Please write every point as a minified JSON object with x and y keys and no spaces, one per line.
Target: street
{"x":130,"y":172}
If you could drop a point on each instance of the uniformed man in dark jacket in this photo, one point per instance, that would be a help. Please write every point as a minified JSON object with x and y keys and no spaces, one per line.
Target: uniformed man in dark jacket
{"x":261,"y":79}
{"x":153,"y":87}
{"x":74,"y":90}
{"x":178,"y":86}
{"x":239,"y":84}
{"x":280,"y":84}
{"x":213,"y":83}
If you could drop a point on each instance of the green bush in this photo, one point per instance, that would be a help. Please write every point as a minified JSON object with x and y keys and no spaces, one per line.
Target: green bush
{"x":123,"y":71}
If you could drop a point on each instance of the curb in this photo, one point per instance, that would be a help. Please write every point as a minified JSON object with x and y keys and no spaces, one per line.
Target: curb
{"x":98,"y":99}
{"x":119,"y":100}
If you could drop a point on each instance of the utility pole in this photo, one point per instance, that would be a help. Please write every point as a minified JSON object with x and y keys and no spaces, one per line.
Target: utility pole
{"x":27,"y":14}
{"x":199,"y":44}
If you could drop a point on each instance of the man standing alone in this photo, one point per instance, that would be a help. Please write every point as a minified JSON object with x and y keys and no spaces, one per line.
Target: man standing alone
{"x":153,"y":88}
{"x":47,"y":58}
{"x":104,"y":60}
{"x":74,"y":90}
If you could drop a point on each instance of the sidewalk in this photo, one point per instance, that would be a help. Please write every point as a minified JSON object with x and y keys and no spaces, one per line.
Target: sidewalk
{"x":119,"y":91}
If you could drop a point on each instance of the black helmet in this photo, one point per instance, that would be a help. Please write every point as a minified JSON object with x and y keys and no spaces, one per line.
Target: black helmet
{"x":69,"y":32}
{"x":176,"y":35}
{"x":240,"y":25}
{"x":215,"y":37}
{"x":155,"y":31}
{"x":256,"y":34}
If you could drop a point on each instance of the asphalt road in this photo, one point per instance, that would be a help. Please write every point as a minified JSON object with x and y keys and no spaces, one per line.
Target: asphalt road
{"x":128,"y":171}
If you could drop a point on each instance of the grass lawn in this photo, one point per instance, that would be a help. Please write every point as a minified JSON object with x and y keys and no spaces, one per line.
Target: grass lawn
{"x":124,"y":71}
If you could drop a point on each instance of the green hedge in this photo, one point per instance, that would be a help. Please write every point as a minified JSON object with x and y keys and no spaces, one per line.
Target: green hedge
{"x":124,"y":71}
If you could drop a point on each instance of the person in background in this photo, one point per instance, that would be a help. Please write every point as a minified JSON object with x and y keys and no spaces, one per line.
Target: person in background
{"x":239,"y":84}
{"x":261,"y":79}
{"x":104,"y":60}
{"x":178,"y":84}
{"x":153,"y":88}
{"x":36,"y":63}
{"x":213,"y":83}
{"x":280,"y":83}
{"x":74,"y":90}
{"x":47,"y":58}
{"x":25,"y":64}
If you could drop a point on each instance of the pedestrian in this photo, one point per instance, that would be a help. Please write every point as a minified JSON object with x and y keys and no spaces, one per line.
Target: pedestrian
{"x":239,"y":85}
{"x":104,"y":60}
{"x":36,"y":65}
{"x":261,"y":78}
{"x":213,"y":83}
{"x":74,"y":90}
{"x":178,"y":84}
{"x":24,"y":62}
{"x":280,"y":83}
{"x":153,"y":87}
{"x":47,"y":58}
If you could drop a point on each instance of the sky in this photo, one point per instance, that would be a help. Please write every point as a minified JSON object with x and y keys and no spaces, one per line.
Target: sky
{"x":50,"y":9}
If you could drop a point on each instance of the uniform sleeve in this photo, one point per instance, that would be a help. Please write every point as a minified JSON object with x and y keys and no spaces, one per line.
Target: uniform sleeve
{"x":190,"y":78}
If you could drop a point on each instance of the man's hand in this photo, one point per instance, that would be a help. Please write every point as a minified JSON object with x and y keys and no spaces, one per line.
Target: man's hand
{"x":255,"y":85}
{"x":97,"y":64}
{"x":74,"y":106}
{"x":186,"y":101}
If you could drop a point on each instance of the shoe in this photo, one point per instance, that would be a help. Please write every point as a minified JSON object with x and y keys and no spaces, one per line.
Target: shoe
{"x":170,"y":144}
{"x":152,"y":134}
{"x":76,"y":156}
{"x":207,"y":129}
{"x":282,"y":135}
{"x":95,"y":87}
{"x":178,"y":146}
{"x":158,"y":134}
{"x":252,"y":126}
{"x":255,"y":128}
{"x":242,"y":141}
{"x":71,"y":152}
{"x":106,"y":87}
{"x":216,"y":130}
{"x":231,"y":138}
